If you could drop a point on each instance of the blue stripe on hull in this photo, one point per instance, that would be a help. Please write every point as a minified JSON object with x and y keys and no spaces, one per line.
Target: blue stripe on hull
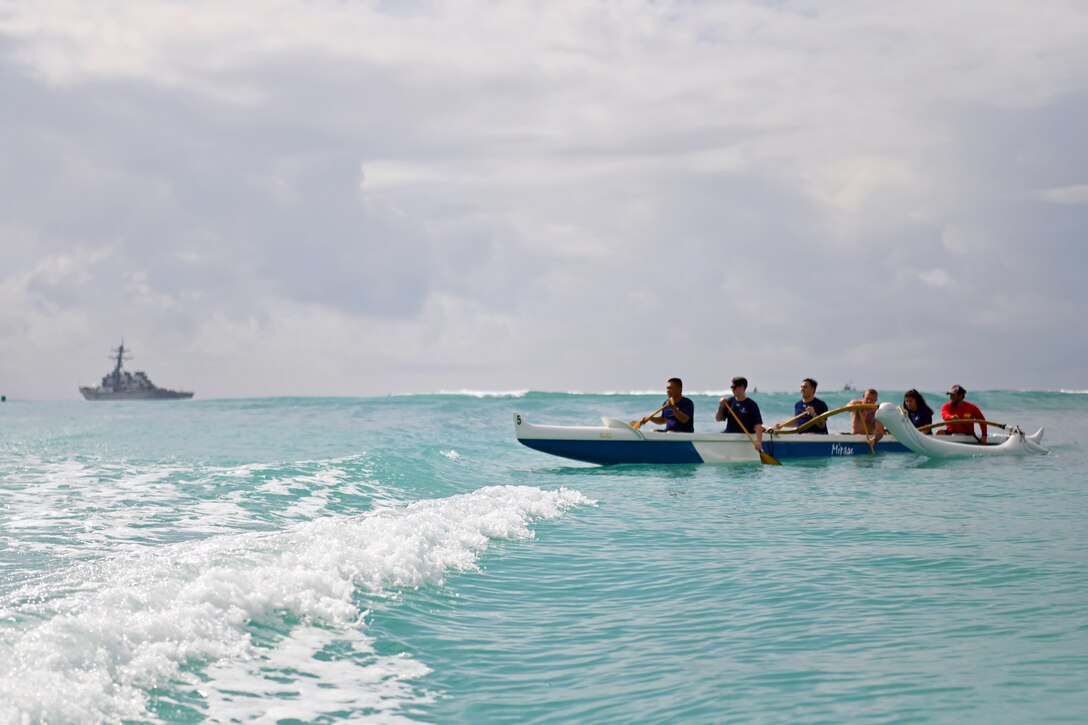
{"x":828,"y":447}
{"x":614,"y":452}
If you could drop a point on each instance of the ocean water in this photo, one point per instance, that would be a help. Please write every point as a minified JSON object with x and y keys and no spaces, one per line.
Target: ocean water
{"x":404,"y":559}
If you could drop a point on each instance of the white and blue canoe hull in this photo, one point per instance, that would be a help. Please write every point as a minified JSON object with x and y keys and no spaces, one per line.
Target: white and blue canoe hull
{"x":616,"y":442}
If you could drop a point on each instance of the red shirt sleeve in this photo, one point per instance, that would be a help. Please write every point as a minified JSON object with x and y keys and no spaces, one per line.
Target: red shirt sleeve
{"x":976,"y":413}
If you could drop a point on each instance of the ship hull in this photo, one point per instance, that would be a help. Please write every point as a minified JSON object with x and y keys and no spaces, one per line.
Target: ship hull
{"x":159,"y":394}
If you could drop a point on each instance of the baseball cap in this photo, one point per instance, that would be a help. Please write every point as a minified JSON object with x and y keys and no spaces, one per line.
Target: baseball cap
{"x":957,"y":390}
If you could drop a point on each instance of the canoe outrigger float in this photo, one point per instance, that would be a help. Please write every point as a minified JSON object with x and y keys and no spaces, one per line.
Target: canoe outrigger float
{"x":616,"y":442}
{"x":1013,"y":443}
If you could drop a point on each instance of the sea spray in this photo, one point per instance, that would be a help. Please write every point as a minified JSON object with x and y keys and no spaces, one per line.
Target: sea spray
{"x":104,"y":633}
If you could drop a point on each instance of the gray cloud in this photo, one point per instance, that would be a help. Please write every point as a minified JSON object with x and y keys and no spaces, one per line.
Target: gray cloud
{"x":557,"y":198}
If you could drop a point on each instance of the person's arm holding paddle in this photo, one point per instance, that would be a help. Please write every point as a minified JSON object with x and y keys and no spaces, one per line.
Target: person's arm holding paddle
{"x":727,"y":412}
{"x":783,"y":424}
{"x":676,"y":405}
{"x":757,"y":428}
{"x":680,"y":413}
{"x":650,"y":418}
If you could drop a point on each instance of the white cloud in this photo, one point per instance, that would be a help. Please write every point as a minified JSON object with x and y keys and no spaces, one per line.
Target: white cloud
{"x":936,"y":277}
{"x":1076,"y":194}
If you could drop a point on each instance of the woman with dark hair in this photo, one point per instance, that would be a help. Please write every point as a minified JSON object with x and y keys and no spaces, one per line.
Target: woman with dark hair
{"x":920,"y":414}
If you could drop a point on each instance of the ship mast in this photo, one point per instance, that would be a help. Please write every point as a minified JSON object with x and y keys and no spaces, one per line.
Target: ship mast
{"x":120,"y":350}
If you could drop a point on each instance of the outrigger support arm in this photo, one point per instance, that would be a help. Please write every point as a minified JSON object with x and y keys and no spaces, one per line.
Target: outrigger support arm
{"x":824,"y":416}
{"x":994,"y":423}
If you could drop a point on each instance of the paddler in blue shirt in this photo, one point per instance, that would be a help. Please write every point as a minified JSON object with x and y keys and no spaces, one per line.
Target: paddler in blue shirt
{"x":746,"y":410}
{"x":677,"y":413}
{"x":807,"y":408}
{"x":918,"y":411}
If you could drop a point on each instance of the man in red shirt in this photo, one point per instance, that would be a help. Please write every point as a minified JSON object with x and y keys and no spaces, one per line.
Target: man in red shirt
{"x":958,"y":408}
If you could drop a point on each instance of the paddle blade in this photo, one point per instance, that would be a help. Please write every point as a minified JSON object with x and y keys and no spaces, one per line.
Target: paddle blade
{"x":768,"y":459}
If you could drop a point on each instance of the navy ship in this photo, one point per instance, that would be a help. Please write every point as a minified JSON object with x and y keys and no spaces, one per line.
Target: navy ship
{"x":120,"y":384}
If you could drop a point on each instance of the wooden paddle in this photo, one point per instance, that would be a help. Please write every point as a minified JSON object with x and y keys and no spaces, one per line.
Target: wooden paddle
{"x":784,"y":423}
{"x":764,"y":457}
{"x":994,"y":423}
{"x":637,"y":424}
{"x":868,"y":438}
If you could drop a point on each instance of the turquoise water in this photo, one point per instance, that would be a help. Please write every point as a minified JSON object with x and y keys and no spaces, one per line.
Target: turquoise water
{"x":404,"y":559}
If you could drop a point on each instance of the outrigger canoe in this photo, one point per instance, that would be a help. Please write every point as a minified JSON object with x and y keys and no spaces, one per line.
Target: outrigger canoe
{"x":1014,"y":442}
{"x":616,"y":442}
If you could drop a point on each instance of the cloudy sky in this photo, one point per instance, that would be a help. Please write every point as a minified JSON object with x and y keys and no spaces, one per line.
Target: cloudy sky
{"x":353,"y":197}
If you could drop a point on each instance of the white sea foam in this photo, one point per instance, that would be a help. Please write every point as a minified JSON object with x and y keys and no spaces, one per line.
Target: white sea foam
{"x":88,"y":644}
{"x":655,"y":391}
{"x":659,"y":392}
{"x":90,"y":507}
{"x":486,"y":393}
{"x":452,"y":455}
{"x":254,"y":689}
